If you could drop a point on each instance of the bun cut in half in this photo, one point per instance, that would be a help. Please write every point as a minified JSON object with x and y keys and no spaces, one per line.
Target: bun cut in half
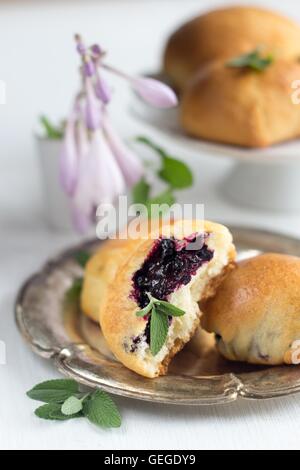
{"x":255,"y":313}
{"x":225,"y":33}
{"x":151,"y":308}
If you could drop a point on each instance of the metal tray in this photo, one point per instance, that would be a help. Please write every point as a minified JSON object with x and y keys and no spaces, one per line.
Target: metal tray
{"x":195,"y":377}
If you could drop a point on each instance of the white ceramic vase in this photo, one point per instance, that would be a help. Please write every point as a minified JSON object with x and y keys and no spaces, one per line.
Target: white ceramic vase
{"x":56,"y":203}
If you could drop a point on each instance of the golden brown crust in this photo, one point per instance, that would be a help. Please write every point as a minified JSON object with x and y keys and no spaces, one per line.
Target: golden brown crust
{"x":256,"y":310}
{"x":100,"y":271}
{"x":117,"y":317}
{"x":242,"y":107}
{"x":225,"y":33}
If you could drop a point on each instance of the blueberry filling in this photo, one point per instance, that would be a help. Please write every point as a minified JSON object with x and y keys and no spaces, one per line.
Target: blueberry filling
{"x":168,"y":267}
{"x":170,"y":264}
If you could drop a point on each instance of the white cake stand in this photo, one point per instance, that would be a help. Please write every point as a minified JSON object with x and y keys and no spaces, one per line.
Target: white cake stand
{"x":262,"y":178}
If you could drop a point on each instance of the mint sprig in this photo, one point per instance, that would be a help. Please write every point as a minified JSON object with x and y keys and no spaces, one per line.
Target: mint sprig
{"x":253,"y":60}
{"x":64,"y":400}
{"x":159,"y":311}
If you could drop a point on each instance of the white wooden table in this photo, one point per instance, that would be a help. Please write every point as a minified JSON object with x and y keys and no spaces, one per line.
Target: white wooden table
{"x":38,"y":63}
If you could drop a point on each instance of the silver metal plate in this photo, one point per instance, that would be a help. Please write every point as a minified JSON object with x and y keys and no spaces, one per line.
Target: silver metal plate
{"x":78,"y":349}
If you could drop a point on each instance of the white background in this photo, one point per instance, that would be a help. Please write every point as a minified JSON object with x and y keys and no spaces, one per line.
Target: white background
{"x":38,"y":64}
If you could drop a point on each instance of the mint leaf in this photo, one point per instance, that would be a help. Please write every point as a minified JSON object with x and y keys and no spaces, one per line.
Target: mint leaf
{"x":53,"y":391}
{"x":145,"y":310}
{"x":82,"y":258}
{"x":71,"y":406}
{"x":159,"y":326}
{"x":51,"y":131}
{"x":140,"y":192}
{"x":169,"y":309}
{"x":73,"y":293}
{"x":101,"y":410}
{"x":176,"y":173}
{"x":53,"y":411}
{"x":252,"y":60}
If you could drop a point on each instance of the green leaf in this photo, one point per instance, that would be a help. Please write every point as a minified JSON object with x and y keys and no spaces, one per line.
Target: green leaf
{"x":145,"y":310}
{"x":71,"y":406}
{"x":149,"y":143}
{"x":51,"y":131}
{"x":53,"y":391}
{"x":53,"y":411}
{"x":176,"y":173}
{"x":159,"y":326}
{"x":252,"y":60}
{"x":140,"y":192}
{"x":169,"y":309}
{"x":101,"y":410}
{"x":82,"y":258}
{"x":73,"y":293}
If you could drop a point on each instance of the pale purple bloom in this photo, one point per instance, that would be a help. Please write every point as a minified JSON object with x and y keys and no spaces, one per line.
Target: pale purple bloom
{"x":92,"y":107}
{"x":102,"y":89}
{"x":155,"y":92}
{"x":100,"y":181}
{"x":128,"y":162}
{"x":96,"y":50}
{"x":95,"y":164}
{"x":68,"y":160}
{"x":89,"y":68}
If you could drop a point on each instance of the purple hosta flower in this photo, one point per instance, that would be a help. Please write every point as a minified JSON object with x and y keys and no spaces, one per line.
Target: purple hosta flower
{"x":88,"y":68}
{"x":155,"y":92}
{"x":128,"y":162}
{"x":68,"y":160}
{"x":96,"y":50}
{"x":100,"y":181}
{"x":82,"y":139}
{"x":92,"y":106}
{"x":102,"y":89}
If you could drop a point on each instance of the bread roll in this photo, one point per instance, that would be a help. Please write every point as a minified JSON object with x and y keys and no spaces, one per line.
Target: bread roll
{"x":99,"y":271}
{"x":242,"y":106}
{"x":226,"y":33}
{"x":168,"y":269}
{"x":256,"y":311}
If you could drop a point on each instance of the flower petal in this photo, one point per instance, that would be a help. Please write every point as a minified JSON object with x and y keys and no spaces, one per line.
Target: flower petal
{"x":92,"y":108}
{"x":68,"y":160}
{"x":102,"y":89}
{"x":128,"y":162}
{"x":108,"y":179}
{"x":154,"y":92}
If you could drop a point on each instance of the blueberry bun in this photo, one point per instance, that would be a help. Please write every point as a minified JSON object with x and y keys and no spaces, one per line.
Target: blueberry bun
{"x":255,"y":313}
{"x":182,"y":265}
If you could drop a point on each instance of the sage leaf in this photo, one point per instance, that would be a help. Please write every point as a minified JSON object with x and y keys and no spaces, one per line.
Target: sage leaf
{"x":53,"y":411}
{"x":100,"y":409}
{"x":71,"y":406}
{"x":53,"y":391}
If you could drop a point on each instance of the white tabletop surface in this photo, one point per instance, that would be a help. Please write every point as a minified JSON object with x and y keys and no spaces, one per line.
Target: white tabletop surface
{"x":38,"y":64}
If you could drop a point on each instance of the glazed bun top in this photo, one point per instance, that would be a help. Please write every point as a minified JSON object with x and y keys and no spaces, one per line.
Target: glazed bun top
{"x":256,"y":311}
{"x":225,"y":33}
{"x":242,"y":106}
